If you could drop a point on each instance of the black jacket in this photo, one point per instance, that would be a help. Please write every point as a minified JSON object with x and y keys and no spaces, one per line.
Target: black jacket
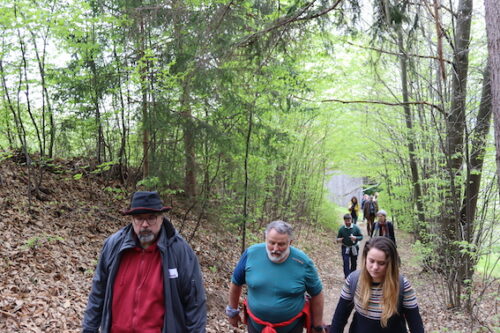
{"x":376,"y":230}
{"x":185,"y":301}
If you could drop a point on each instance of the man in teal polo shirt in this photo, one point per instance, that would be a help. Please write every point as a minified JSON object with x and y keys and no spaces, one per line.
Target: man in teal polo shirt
{"x":277,"y":276}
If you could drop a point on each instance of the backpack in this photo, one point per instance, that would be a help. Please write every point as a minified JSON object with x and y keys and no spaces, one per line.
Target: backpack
{"x":354,"y":283}
{"x":372,"y":208}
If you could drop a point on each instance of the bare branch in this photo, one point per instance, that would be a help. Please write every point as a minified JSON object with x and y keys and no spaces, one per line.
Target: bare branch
{"x":384,"y":103}
{"x":334,"y":100}
{"x":321,"y":13}
{"x":286,"y":20}
{"x":398,"y":53}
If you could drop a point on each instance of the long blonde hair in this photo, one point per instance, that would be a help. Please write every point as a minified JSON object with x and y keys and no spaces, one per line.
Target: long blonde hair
{"x":390,"y":285}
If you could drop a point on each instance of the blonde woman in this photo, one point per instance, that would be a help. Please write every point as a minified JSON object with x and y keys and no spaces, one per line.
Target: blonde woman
{"x":383,"y":300}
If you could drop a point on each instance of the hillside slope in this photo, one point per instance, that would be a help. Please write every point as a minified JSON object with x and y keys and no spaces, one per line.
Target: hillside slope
{"x":48,"y":255}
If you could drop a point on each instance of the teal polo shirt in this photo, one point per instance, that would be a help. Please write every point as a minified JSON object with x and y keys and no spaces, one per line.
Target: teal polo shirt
{"x":276,"y":291}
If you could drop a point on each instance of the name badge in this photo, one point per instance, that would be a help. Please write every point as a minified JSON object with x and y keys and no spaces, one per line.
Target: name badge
{"x":172,"y":273}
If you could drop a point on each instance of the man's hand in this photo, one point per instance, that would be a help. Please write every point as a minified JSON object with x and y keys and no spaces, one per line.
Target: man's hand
{"x":320,"y":329}
{"x":235,"y":321}
{"x":234,"y":296}
{"x":317,"y":303}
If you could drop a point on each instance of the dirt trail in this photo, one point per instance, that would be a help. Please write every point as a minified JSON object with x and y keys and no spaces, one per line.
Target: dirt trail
{"x":47,"y":271}
{"x":332,"y":274}
{"x":320,"y":246}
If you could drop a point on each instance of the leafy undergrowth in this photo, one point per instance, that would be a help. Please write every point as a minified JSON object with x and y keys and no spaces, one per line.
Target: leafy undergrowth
{"x":51,"y":241}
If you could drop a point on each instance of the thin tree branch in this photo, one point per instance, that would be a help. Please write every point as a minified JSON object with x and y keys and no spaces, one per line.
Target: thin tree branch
{"x":223,"y":14}
{"x":398,"y":54}
{"x":282,"y":21}
{"x":321,"y":13}
{"x":334,"y":100}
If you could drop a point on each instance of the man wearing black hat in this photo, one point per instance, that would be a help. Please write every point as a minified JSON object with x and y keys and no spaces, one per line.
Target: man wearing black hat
{"x":148,"y":278}
{"x":349,"y":235}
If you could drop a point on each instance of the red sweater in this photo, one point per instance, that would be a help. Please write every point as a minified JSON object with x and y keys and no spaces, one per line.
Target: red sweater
{"x":138,"y":298}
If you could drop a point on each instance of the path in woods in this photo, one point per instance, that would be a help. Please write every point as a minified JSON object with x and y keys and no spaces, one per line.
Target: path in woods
{"x":430,"y":292}
{"x":47,"y":273}
{"x":332,"y":274}
{"x":321,"y":247}
{"x":325,"y":252}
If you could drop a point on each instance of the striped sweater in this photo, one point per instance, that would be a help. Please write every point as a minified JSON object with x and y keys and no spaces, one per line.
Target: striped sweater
{"x":368,"y":320}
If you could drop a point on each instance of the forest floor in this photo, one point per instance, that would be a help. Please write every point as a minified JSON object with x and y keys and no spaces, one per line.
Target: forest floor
{"x":51,"y":241}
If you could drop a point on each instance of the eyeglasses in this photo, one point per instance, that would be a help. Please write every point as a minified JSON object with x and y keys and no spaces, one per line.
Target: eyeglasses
{"x":150,"y":220}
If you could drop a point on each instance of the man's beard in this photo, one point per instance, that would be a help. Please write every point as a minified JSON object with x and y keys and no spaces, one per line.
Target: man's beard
{"x":146,"y":237}
{"x":281,"y":256}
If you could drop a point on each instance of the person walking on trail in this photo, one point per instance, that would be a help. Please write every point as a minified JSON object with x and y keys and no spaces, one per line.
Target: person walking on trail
{"x":383,"y":300}
{"x":369,"y":212}
{"x":354,"y":209}
{"x":277,"y":276}
{"x":383,"y":227}
{"x":363,"y":200}
{"x":148,"y":278}
{"x":349,"y":235}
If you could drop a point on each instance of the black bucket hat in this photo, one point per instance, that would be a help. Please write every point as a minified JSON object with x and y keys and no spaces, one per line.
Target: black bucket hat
{"x":145,"y":202}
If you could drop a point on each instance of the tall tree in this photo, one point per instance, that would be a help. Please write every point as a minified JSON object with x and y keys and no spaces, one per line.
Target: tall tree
{"x":492,"y":13}
{"x":470,"y":230}
{"x":417,"y":190}
{"x":455,"y":129}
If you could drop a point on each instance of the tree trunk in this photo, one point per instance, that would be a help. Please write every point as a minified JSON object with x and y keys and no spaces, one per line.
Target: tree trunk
{"x":417,"y":191}
{"x":100,"y":153}
{"x":473,"y":180}
{"x":456,"y":116}
{"x":122,"y":156}
{"x":18,"y":121}
{"x":479,"y":137}
{"x":492,"y":13}
{"x":144,"y":105}
{"x":145,"y":133}
{"x":189,"y":144}
{"x":455,"y":127}
{"x":25,"y":71}
{"x":182,"y":66}
{"x":245,"y":192}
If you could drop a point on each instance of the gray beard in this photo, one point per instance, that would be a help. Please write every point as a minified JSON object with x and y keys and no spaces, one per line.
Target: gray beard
{"x":146,"y":237}
{"x":279,"y":259}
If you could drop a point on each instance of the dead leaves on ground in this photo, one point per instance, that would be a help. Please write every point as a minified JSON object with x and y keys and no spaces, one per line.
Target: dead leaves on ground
{"x":48,"y":256}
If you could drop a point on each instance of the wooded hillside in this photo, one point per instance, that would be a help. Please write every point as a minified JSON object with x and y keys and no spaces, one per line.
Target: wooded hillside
{"x":241,"y":109}
{"x":50,"y":251}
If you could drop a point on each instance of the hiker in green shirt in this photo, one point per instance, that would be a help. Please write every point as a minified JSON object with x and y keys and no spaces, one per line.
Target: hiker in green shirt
{"x":349,"y":235}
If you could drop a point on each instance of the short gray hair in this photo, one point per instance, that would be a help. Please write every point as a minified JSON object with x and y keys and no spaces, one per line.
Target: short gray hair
{"x":281,"y":227}
{"x":382,"y":212}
